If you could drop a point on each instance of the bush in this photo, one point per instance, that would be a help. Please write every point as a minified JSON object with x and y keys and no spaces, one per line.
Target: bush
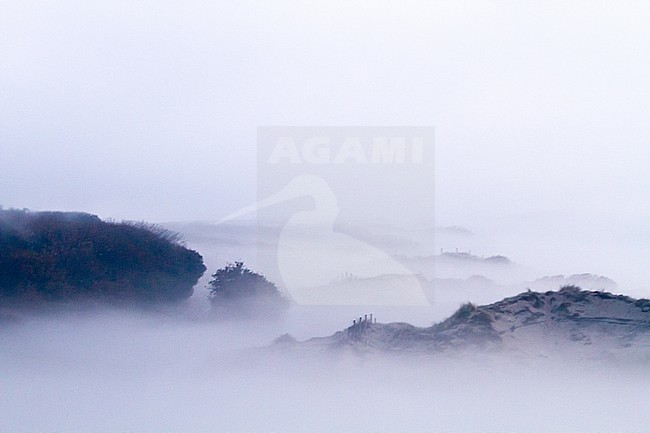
{"x":237,"y":288}
{"x":64,"y":256}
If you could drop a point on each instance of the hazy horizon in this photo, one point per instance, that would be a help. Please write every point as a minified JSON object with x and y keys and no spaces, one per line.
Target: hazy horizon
{"x":362,"y":126}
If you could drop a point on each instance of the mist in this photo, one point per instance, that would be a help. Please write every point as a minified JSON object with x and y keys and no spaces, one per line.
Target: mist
{"x":114,"y":371}
{"x":182,"y":368}
{"x":524,"y":167}
{"x":539,"y":109}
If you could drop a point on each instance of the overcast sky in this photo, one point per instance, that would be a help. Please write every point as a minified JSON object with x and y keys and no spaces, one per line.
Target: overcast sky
{"x":149,"y":109}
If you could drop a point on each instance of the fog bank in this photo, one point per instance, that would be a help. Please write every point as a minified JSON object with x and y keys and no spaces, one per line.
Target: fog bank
{"x":109,"y":371}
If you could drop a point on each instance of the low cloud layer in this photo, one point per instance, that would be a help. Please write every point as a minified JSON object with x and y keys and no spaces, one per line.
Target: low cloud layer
{"x":110,"y":371}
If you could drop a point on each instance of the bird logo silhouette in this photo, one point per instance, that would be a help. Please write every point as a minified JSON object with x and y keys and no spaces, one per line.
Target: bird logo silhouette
{"x":309,"y":264}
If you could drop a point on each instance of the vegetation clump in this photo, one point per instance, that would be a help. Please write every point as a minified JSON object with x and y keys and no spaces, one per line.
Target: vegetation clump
{"x":64,"y":256}
{"x":237,"y":290}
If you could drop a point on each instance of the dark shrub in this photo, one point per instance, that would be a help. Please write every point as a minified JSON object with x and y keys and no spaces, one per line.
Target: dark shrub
{"x":58,"y":256}
{"x":237,"y":289}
